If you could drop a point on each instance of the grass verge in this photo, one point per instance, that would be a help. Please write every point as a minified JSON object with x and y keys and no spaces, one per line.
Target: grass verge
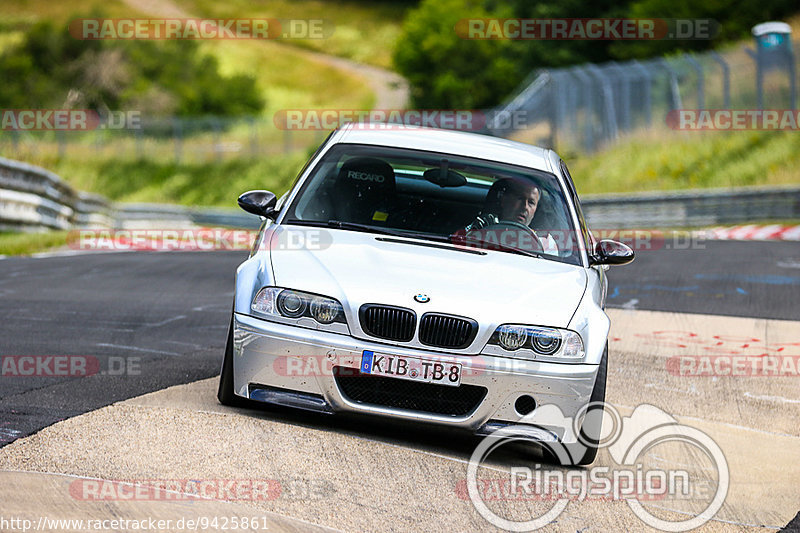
{"x":363,"y":31}
{"x":30,"y":243}
{"x":682,"y":161}
{"x":203,"y":184}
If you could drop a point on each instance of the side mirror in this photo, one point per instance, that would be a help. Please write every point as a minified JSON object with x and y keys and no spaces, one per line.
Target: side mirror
{"x":608,"y":252}
{"x":261,"y":203}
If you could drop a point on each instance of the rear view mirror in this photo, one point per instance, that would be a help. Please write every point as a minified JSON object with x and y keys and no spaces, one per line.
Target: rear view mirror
{"x":261,"y":203}
{"x":444,"y":177}
{"x":608,"y":252}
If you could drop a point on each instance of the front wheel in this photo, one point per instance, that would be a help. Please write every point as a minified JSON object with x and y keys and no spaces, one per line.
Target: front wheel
{"x":225,"y":393}
{"x":584,"y":451}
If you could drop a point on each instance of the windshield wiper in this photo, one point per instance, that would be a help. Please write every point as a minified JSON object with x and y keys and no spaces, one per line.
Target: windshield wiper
{"x":502,"y":247}
{"x":338,"y":224}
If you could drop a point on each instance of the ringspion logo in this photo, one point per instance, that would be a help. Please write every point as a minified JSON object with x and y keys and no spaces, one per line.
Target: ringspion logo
{"x":637,"y":474}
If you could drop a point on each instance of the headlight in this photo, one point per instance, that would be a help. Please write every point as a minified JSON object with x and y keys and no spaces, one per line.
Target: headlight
{"x":527,"y":342}
{"x":546,"y":342}
{"x":295,"y":304}
{"x":512,"y":337}
{"x":291,"y":304}
{"x":325,"y":310}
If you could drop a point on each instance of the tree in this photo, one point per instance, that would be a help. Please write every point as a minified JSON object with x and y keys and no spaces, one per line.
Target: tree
{"x":447,"y":71}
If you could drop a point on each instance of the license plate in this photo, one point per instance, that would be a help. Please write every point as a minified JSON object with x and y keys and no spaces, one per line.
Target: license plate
{"x":411,"y":368}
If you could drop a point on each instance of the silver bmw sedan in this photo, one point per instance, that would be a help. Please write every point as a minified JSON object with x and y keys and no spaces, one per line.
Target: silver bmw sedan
{"x":426,"y":275}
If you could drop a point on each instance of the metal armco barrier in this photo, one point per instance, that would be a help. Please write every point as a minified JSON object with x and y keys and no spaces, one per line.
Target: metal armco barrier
{"x":692,"y":209}
{"x":34,"y":198}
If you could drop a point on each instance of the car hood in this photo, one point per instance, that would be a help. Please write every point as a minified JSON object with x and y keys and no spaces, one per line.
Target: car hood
{"x":491,"y":287}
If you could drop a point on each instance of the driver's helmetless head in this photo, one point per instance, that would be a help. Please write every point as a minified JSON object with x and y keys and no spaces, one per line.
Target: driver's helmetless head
{"x":518,"y":201}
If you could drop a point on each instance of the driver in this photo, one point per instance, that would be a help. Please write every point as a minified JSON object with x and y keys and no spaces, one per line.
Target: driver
{"x":509,"y":200}
{"x":515,"y":201}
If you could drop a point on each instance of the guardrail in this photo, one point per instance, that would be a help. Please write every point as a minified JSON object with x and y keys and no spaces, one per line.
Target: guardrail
{"x":34,"y":198}
{"x":165,"y":215}
{"x":692,"y":209}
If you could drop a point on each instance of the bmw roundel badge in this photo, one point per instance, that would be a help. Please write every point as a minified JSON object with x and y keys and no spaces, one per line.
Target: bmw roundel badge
{"x":422,"y":298}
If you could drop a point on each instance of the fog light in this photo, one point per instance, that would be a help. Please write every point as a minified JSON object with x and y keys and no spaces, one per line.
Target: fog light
{"x":525,"y":404}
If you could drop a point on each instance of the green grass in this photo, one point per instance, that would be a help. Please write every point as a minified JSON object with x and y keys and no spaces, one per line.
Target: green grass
{"x":31,"y":243}
{"x":206,"y":184}
{"x":691,"y":160}
{"x":286,"y":76}
{"x":360,"y":30}
{"x":17,"y":12}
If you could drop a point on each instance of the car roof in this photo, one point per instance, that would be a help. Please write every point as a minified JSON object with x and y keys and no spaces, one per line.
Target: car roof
{"x":445,"y":141}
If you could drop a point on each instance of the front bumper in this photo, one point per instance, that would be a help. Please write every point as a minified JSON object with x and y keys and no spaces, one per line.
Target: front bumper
{"x":290,"y":365}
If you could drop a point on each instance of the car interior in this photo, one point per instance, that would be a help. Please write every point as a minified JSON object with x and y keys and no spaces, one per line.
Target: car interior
{"x":411,"y":195}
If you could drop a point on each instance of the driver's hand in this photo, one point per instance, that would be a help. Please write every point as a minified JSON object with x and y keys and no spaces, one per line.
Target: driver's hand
{"x":482,"y":221}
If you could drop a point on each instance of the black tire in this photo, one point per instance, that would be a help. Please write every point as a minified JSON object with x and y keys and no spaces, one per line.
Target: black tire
{"x":225,"y":393}
{"x":584,"y":452}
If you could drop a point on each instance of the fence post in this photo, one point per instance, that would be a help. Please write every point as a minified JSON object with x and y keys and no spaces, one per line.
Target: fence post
{"x":61,"y":144}
{"x":608,"y":101}
{"x":177,"y":135}
{"x":287,"y":140}
{"x":588,"y":107}
{"x":698,"y":68}
{"x":253,"y":137}
{"x":15,"y":142}
{"x":139,"y":142}
{"x":648,"y":104}
{"x":625,"y":96}
{"x":674,"y":89}
{"x":215,"y":128}
{"x":726,"y":78}
{"x":572,"y":105}
{"x":792,"y":79}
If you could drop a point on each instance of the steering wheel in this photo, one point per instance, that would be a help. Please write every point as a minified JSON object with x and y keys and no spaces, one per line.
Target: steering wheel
{"x":513,"y":226}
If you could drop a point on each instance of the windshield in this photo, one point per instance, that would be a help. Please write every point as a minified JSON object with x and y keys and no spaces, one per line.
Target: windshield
{"x":439,"y":197}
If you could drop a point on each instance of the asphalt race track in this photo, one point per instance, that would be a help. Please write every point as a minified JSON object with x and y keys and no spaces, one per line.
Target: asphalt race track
{"x":734,"y":278}
{"x":149,"y":321}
